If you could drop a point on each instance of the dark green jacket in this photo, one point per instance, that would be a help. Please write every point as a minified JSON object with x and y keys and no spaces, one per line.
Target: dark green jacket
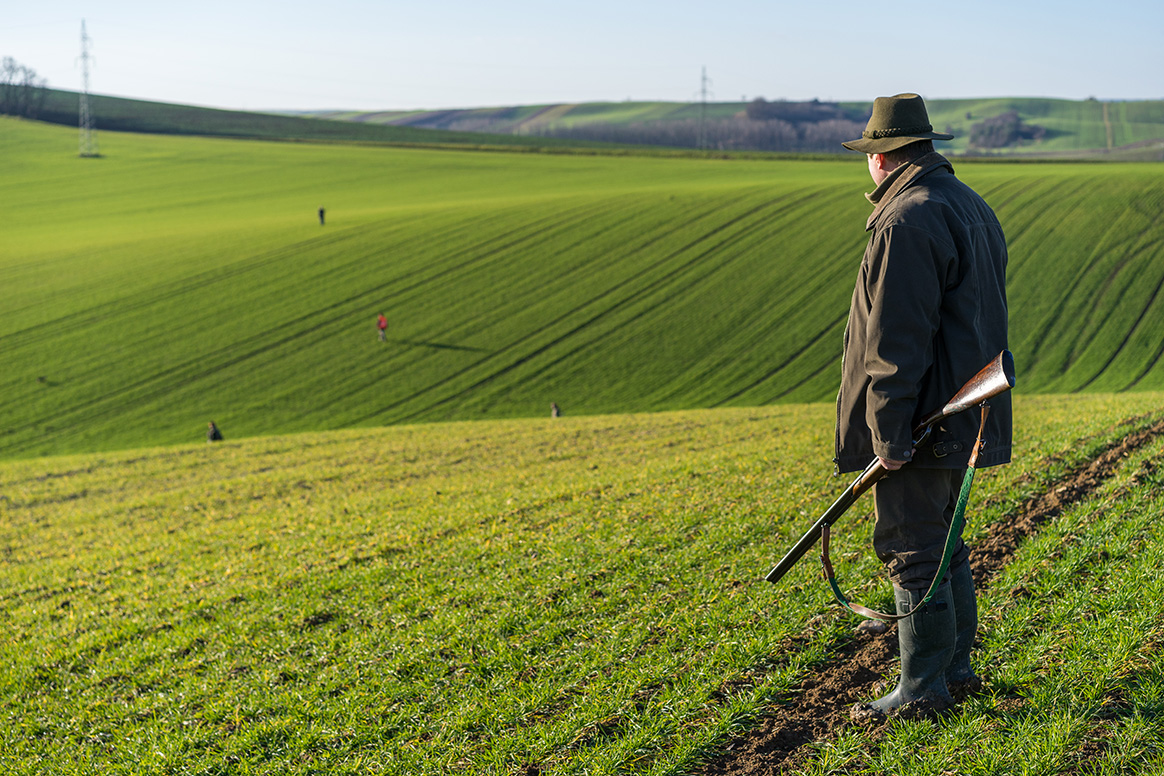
{"x":928,"y":312}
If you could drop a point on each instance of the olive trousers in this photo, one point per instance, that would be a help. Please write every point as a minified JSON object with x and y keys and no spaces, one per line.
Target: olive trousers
{"x":914,"y":507}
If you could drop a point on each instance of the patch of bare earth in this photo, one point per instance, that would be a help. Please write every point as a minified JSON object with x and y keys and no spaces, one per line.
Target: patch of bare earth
{"x":820,"y":708}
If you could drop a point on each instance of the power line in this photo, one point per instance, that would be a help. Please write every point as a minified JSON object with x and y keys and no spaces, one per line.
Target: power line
{"x":88,"y":135}
{"x":702,"y":138}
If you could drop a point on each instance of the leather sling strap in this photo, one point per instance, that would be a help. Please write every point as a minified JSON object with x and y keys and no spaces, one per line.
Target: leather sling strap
{"x":957,"y":523}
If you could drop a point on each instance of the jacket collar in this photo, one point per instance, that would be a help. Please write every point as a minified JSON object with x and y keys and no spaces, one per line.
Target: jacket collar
{"x":900,"y":179}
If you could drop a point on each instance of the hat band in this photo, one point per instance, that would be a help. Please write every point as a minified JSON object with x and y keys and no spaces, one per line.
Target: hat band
{"x":878,"y":134}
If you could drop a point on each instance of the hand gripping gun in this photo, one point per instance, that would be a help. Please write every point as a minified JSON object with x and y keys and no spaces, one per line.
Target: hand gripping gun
{"x":995,"y":378}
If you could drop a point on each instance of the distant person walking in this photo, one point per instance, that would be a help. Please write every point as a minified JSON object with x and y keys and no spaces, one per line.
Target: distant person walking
{"x":382,"y":325}
{"x":212,"y":433}
{"x":321,"y":216}
{"x":554,"y":411}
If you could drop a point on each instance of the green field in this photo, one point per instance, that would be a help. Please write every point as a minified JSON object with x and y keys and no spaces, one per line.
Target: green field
{"x":519,"y":595}
{"x":178,"y":280}
{"x":579,"y":596}
{"x":126,"y":115}
{"x":191,"y":276}
{"x":522,"y":120}
{"x":1072,"y":125}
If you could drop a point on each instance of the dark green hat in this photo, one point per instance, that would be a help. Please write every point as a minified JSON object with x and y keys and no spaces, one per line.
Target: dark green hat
{"x":896,"y":121}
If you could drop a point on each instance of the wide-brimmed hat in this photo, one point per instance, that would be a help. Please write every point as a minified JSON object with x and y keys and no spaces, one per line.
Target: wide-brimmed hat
{"x":896,"y":121}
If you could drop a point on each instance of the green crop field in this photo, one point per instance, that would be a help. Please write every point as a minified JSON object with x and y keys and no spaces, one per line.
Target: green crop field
{"x":1072,"y":126}
{"x":360,"y":580}
{"x":178,"y":280}
{"x":126,"y":115}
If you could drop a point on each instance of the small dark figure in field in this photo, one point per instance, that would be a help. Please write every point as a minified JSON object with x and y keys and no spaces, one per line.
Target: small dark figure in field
{"x":382,"y":325}
{"x":928,"y":310}
{"x":554,"y":411}
{"x":212,"y":433}
{"x":321,"y":216}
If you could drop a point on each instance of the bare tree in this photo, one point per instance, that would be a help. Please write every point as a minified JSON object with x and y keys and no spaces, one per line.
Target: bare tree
{"x":1003,"y":131}
{"x":22,"y":93}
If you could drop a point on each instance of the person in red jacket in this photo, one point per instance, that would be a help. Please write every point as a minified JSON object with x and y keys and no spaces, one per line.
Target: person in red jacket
{"x":382,"y":325}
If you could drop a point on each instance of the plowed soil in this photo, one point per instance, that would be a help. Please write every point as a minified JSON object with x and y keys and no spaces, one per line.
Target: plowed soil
{"x":821,"y":707}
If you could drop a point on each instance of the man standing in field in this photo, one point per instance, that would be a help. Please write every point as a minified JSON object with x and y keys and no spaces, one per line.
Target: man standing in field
{"x":928,"y":311}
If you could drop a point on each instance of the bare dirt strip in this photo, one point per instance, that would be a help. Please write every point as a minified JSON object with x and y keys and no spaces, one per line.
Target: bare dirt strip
{"x":820,"y":707}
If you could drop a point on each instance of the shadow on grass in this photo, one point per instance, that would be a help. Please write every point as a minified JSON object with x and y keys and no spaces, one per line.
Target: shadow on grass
{"x":439,"y":346}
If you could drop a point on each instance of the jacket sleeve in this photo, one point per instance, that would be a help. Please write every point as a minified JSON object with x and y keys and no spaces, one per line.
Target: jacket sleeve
{"x":905,"y":280}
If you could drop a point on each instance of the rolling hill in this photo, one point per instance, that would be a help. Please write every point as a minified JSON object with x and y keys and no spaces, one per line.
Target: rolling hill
{"x":1063,"y":129}
{"x":178,"y":280}
{"x":517,"y":595}
{"x":1069,"y":128}
{"x":121,"y":114}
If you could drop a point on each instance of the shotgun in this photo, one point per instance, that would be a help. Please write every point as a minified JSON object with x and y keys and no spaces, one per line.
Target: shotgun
{"x":995,"y":378}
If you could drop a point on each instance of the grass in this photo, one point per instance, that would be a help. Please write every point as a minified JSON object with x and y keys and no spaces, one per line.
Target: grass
{"x":178,"y":280}
{"x":581,"y":595}
{"x":1071,"y":648}
{"x":124,"y":115}
{"x":575,"y":596}
{"x":469,"y":594}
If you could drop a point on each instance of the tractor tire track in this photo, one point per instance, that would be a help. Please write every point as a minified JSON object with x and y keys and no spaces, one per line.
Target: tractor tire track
{"x":829,"y":330}
{"x":615,"y":304}
{"x":295,"y":330}
{"x":1134,"y":252}
{"x":1069,"y":291}
{"x":821,"y":705}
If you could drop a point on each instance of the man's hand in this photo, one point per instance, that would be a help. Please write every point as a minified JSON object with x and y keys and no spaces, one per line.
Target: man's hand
{"x":891,"y":465}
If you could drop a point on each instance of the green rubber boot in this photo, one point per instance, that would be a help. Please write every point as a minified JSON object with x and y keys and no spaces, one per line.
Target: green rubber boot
{"x":926,"y":641}
{"x":960,"y":677}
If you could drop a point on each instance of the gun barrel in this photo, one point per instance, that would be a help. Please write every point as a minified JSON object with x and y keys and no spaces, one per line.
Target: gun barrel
{"x":873,"y":472}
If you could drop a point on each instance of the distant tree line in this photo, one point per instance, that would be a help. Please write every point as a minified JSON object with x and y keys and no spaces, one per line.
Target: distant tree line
{"x":760,"y":109}
{"x":467,"y":124}
{"x":732,"y":134}
{"x":22,"y":93}
{"x":1002,"y":131}
{"x":762,"y":126}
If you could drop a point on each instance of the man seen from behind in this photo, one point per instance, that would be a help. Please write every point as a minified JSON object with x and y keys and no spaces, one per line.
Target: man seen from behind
{"x":928,"y":311}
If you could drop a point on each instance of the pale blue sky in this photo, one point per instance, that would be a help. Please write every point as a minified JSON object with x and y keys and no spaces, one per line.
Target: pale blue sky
{"x":369,"y":55}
